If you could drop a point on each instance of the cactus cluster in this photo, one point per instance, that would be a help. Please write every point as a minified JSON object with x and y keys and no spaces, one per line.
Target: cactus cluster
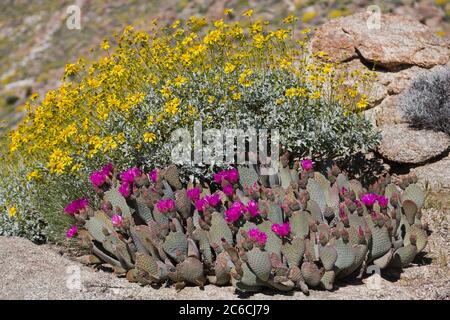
{"x":298,"y":229}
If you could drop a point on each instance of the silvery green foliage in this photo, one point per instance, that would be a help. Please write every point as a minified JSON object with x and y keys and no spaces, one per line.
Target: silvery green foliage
{"x":426,"y":104}
{"x":28,"y":222}
{"x":317,"y":128}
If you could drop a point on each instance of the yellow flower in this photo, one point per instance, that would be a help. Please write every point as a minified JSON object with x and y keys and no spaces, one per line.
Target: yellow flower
{"x":248,"y":13}
{"x":237,"y":96}
{"x":243,"y":78}
{"x":316,"y":95}
{"x":33,"y":175}
{"x":150,"y":120}
{"x":363,"y":102}
{"x":76,"y":168}
{"x":228,"y":11}
{"x":120,"y":138}
{"x":327,"y":68}
{"x":291,"y":92}
{"x":289,"y":19}
{"x":171,"y":106}
{"x":149,"y":137}
{"x":71,"y":69}
{"x":306,"y":30}
{"x":229,"y":67}
{"x":211,"y":99}
{"x":179,"y":80}
{"x":105,"y":44}
{"x":12,"y":212}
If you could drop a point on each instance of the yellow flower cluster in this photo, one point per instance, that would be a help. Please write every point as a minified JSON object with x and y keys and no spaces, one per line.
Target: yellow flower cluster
{"x":68,"y":126}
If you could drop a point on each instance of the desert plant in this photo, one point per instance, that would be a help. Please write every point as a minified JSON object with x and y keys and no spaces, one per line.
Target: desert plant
{"x":296,"y":229}
{"x":123,"y":107}
{"x":426,"y":103}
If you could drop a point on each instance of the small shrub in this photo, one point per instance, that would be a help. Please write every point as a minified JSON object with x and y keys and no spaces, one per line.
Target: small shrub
{"x":426,"y":104}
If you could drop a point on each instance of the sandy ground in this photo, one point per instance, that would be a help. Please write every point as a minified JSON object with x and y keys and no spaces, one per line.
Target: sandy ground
{"x":28,"y":271}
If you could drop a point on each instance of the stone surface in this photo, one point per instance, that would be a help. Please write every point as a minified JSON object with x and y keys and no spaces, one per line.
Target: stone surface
{"x":399,"y":42}
{"x":403,"y":144}
{"x":29,"y":271}
{"x":436,"y":175}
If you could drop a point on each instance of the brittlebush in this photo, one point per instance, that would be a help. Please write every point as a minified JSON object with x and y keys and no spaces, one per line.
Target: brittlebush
{"x":123,"y":107}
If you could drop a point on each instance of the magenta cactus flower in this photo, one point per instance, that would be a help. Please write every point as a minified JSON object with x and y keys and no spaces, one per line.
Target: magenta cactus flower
{"x":200,"y":204}
{"x":98,"y":178}
{"x":232,"y":176}
{"x":281,"y":230}
{"x":252,"y":208}
{"x":72,"y":231}
{"x":194,"y":194}
{"x":130,"y":175}
{"x":228,"y":190}
{"x":117,"y":220}
{"x":76,"y":206}
{"x":235,"y":212}
{"x":369,"y":199}
{"x":125,"y":189}
{"x":258,"y":236}
{"x":307,"y":164}
{"x":153,"y":175}
{"x":166,"y":205}
{"x":213,"y":200}
{"x":383,"y":201}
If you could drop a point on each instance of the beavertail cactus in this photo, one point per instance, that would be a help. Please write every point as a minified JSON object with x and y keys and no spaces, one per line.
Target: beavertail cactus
{"x":299,"y":229}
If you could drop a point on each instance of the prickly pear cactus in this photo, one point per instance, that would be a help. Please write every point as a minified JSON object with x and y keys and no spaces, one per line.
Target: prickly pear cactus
{"x":296,"y":230}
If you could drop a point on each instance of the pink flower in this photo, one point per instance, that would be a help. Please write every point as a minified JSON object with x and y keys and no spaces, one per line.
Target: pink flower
{"x":235,"y":212}
{"x":281,"y":229}
{"x":98,"y":178}
{"x":194,"y":194}
{"x":252,"y":208}
{"x":153,"y":175}
{"x":72,"y":231}
{"x":383,"y":201}
{"x":125,"y":189}
{"x":166,"y":205}
{"x":257,"y":236}
{"x":307,"y":164}
{"x":130,"y":175}
{"x":201,"y":204}
{"x":117,"y":220}
{"x":107,"y":170}
{"x":232,"y":176}
{"x":213,"y":200}
{"x":219,"y":176}
{"x":369,"y":199}
{"x":228,"y":190}
{"x":76,"y":206}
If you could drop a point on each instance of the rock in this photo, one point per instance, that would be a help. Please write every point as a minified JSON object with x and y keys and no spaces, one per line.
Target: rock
{"x":387,"y":112}
{"x":403,"y":144}
{"x":400,"y":42}
{"x":436,"y":174}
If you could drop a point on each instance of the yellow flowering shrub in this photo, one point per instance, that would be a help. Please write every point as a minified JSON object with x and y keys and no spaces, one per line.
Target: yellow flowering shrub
{"x":124,"y":106}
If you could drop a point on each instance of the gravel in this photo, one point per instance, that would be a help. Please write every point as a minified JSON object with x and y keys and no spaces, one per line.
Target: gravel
{"x":29,"y":271}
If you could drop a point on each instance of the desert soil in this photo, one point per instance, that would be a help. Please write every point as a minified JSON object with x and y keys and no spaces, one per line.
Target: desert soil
{"x":29,"y":271}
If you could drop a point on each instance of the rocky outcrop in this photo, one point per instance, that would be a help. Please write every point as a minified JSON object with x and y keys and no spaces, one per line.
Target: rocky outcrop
{"x":396,"y":52}
{"x":406,"y":145}
{"x":398,"y":43}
